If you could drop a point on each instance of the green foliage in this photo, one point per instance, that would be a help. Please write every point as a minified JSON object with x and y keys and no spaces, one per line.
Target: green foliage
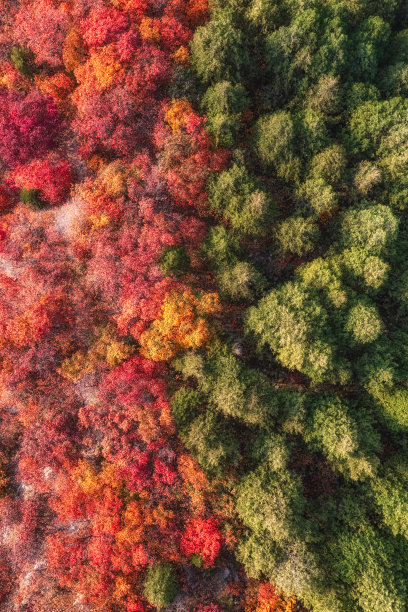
{"x":174,"y":261}
{"x":368,"y":46}
{"x":185,"y":406}
{"x":294,"y":323}
{"x":238,"y":280}
{"x":316,"y":197}
{"x":221,"y":247}
{"x":270,"y":502}
{"x":211,"y":440}
{"x":321,"y":414}
{"x":311,"y":133}
{"x":297,"y":235}
{"x":368,"y":563}
{"x":324,"y":97}
{"x":237,"y":196}
{"x":265,"y":14}
{"x":160,"y":587}
{"x":241,"y":281}
{"x":393,"y":402}
{"x":367,"y":176}
{"x":329,"y":165}
{"x":23,"y":61}
{"x":364,"y":323}
{"x":344,"y":435}
{"x":373,"y":229}
{"x":223,"y":104}
{"x":31,"y":198}
{"x":371,"y":121}
{"x":370,"y":271}
{"x":270,"y":449}
{"x":390,"y":492}
{"x":240,"y":392}
{"x":219,"y":50}
{"x":274,"y":145}
{"x":224,"y":98}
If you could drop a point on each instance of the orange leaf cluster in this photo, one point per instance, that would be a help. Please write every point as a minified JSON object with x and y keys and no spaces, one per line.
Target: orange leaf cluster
{"x":178,"y":114}
{"x":183,"y":324}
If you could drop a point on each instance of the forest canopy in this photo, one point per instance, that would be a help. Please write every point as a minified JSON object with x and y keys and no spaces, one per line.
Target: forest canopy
{"x":204,"y":305}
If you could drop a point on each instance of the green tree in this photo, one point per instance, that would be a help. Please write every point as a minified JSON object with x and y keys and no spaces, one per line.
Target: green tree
{"x":160,"y":586}
{"x":223,"y":104}
{"x":297,"y":235}
{"x":219,"y":49}
{"x":344,"y":434}
{"x":373,"y":228}
{"x":295,"y":323}
{"x":211,"y":440}
{"x":23,"y":60}
{"x":390,"y":492}
{"x":237,"y":196}
{"x":31,"y":198}
{"x":368,"y":563}
{"x":174,"y":261}
{"x":274,"y":145}
{"x":185,"y":407}
{"x":364,"y":323}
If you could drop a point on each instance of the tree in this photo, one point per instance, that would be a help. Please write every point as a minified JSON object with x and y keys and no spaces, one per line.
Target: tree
{"x":364,"y":323}
{"x":211,"y":440}
{"x":390,"y":495}
{"x":223,"y":104}
{"x":297,"y":235}
{"x":202,"y":537}
{"x":345,"y":436}
{"x":184,"y":323}
{"x":103,"y":25}
{"x":33,"y":23}
{"x":270,"y":502}
{"x":160,"y":587}
{"x":219,"y":50}
{"x":29,"y":126}
{"x":174,"y":261}
{"x":185,"y":406}
{"x":50,"y":178}
{"x":239,"y":198}
{"x":274,"y":145}
{"x":23,"y":60}
{"x":292,"y":321}
{"x":373,"y":228}
{"x":366,"y":559}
